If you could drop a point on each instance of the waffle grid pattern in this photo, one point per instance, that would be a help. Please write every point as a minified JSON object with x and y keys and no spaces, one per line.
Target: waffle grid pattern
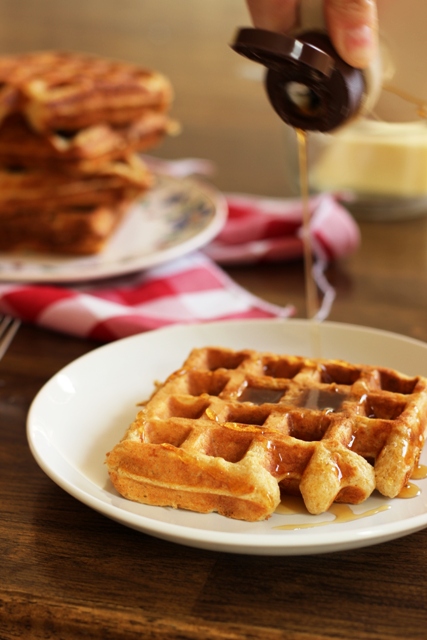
{"x":67,"y":90}
{"x":231,"y":429}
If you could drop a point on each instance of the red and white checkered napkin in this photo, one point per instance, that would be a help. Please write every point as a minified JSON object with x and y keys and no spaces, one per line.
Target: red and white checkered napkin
{"x":260,"y":229}
{"x":193,"y":288}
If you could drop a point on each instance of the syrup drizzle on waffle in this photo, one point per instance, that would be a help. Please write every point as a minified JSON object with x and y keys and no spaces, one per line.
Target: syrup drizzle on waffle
{"x":231,"y":430}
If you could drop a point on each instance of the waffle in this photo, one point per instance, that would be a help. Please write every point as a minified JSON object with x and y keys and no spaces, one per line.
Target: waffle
{"x":28,"y":189}
{"x":74,"y":231}
{"x":231,"y":430}
{"x":66,"y":91}
{"x":82,"y":150}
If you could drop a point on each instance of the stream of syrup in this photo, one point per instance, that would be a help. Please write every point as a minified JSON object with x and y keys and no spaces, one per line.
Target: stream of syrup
{"x":310,"y":286}
{"x":311,"y":293}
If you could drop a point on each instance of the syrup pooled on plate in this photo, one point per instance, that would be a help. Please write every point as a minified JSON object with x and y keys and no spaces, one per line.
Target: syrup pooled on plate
{"x":420,"y":472}
{"x":294,"y":505}
{"x":410,"y":490}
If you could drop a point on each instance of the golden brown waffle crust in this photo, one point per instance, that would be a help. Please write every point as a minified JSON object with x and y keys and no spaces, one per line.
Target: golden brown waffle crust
{"x":84,"y":149}
{"x":232,"y":430}
{"x":68,"y":231}
{"x":60,"y":90}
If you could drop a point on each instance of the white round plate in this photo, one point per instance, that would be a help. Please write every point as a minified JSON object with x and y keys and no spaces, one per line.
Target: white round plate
{"x":176,"y":216}
{"x":84,"y":410}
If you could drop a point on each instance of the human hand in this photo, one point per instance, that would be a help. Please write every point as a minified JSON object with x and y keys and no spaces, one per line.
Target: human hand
{"x":351,"y":24}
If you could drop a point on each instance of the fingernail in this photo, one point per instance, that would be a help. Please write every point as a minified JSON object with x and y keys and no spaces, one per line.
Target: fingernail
{"x":359,"y":45}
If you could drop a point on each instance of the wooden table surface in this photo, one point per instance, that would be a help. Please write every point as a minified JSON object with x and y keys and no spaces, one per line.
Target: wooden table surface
{"x":68,"y":572}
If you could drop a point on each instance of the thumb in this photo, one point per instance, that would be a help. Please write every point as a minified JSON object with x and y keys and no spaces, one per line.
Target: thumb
{"x":353,"y":27}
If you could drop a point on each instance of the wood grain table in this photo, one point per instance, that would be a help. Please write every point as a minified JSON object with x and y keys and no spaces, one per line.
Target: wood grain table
{"x":68,"y":572}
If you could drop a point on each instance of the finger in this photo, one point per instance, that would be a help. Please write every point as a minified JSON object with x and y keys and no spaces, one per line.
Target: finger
{"x":275,"y":15}
{"x":353,"y":27}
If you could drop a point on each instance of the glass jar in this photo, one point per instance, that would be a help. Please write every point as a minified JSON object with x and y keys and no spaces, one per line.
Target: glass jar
{"x":379,"y":167}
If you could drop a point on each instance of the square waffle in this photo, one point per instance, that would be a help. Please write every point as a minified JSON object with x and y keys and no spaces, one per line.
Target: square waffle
{"x":37,"y":190}
{"x":70,"y":230}
{"x":60,"y":213}
{"x":231,"y":430}
{"x":80,"y":150}
{"x":63,"y":91}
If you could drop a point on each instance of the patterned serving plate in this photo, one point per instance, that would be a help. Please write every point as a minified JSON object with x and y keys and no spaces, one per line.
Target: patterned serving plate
{"x":177,"y":216}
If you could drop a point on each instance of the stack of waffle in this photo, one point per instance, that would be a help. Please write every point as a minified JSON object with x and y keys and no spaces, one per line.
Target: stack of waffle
{"x":71,"y":127}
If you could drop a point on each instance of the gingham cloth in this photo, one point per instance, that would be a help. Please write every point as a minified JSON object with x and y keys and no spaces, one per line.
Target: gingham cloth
{"x":193,"y":288}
